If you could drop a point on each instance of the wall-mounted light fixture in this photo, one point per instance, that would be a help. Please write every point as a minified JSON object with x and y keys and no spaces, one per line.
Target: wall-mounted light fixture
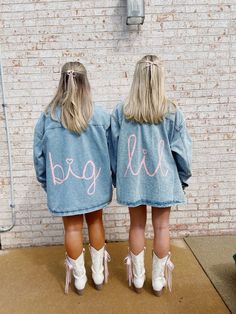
{"x":135,"y":12}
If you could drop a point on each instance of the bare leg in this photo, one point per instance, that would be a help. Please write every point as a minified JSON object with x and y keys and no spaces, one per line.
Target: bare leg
{"x":160,"y":221}
{"x":95,"y":229}
{"x":73,"y":226}
{"x":138,"y":217}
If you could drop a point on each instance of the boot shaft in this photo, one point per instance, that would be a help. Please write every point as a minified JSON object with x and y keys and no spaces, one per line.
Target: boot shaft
{"x":100,"y":259}
{"x":79,"y":273}
{"x":77,"y":265}
{"x":161,"y":272}
{"x":138,"y":268}
{"x":135,"y":270}
{"x":159,"y":264}
{"x":97,"y":257}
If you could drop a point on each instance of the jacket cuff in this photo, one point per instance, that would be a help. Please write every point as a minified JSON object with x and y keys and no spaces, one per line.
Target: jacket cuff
{"x":184,"y":185}
{"x":44,"y":187}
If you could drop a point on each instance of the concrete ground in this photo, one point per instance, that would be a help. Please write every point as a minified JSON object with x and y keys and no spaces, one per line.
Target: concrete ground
{"x":32,"y":281}
{"x":215,"y":254}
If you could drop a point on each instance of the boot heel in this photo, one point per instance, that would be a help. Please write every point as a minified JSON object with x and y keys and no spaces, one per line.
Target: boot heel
{"x":138,"y":290}
{"x":98,"y":287}
{"x":157,"y":293}
{"x":80,"y":292}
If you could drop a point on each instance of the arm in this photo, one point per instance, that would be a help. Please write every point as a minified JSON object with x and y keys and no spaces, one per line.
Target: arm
{"x":38,"y":154}
{"x":181,"y":146}
{"x":110,"y":149}
{"x":115,"y":131}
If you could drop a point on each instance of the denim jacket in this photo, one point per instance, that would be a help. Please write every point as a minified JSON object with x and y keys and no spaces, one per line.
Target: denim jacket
{"x":74,"y":169}
{"x":152,"y":162}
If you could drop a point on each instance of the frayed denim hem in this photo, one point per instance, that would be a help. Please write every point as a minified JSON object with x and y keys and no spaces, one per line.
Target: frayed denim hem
{"x":151,"y":203}
{"x":78,"y":211}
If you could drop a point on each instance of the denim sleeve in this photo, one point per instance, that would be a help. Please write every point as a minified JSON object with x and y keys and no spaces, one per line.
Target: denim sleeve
{"x":110,"y":149}
{"x":181,"y":147}
{"x":38,"y":154}
{"x":115,"y":131}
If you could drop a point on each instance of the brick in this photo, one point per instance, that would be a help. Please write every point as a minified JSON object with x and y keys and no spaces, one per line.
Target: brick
{"x":197,"y":42}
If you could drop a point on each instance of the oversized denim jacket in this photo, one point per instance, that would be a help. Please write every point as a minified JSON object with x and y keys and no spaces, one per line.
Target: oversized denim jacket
{"x":152,"y":162}
{"x":74,"y":169}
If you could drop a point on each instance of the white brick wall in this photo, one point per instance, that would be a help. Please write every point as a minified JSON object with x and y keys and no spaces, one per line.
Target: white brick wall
{"x":197,"y":40}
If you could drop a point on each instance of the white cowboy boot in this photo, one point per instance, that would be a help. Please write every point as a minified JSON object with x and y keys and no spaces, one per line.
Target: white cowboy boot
{"x":100,"y":258}
{"x":161,"y":273}
{"x":136,"y":270}
{"x":79,"y":273}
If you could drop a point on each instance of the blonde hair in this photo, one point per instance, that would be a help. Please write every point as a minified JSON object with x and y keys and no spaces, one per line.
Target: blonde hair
{"x":147,"y":102}
{"x":74,"y":97}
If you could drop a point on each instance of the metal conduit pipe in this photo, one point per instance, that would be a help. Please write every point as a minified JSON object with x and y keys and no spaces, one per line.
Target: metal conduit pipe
{"x":11,"y":202}
{"x":135,"y":12}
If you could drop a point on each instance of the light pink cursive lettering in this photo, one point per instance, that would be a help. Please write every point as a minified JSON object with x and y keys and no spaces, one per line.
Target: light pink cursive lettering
{"x":131,"y":152}
{"x":61,"y":176}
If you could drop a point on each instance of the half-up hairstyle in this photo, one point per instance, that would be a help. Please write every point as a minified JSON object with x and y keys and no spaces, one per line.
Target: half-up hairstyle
{"x":147,"y":102}
{"x":74,"y":97}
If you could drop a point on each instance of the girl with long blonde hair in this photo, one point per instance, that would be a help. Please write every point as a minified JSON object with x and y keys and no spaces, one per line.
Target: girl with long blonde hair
{"x":71,"y":158}
{"x":152,"y":164}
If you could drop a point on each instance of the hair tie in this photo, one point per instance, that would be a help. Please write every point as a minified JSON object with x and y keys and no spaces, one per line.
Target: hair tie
{"x":71,"y":73}
{"x":150,"y":64}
